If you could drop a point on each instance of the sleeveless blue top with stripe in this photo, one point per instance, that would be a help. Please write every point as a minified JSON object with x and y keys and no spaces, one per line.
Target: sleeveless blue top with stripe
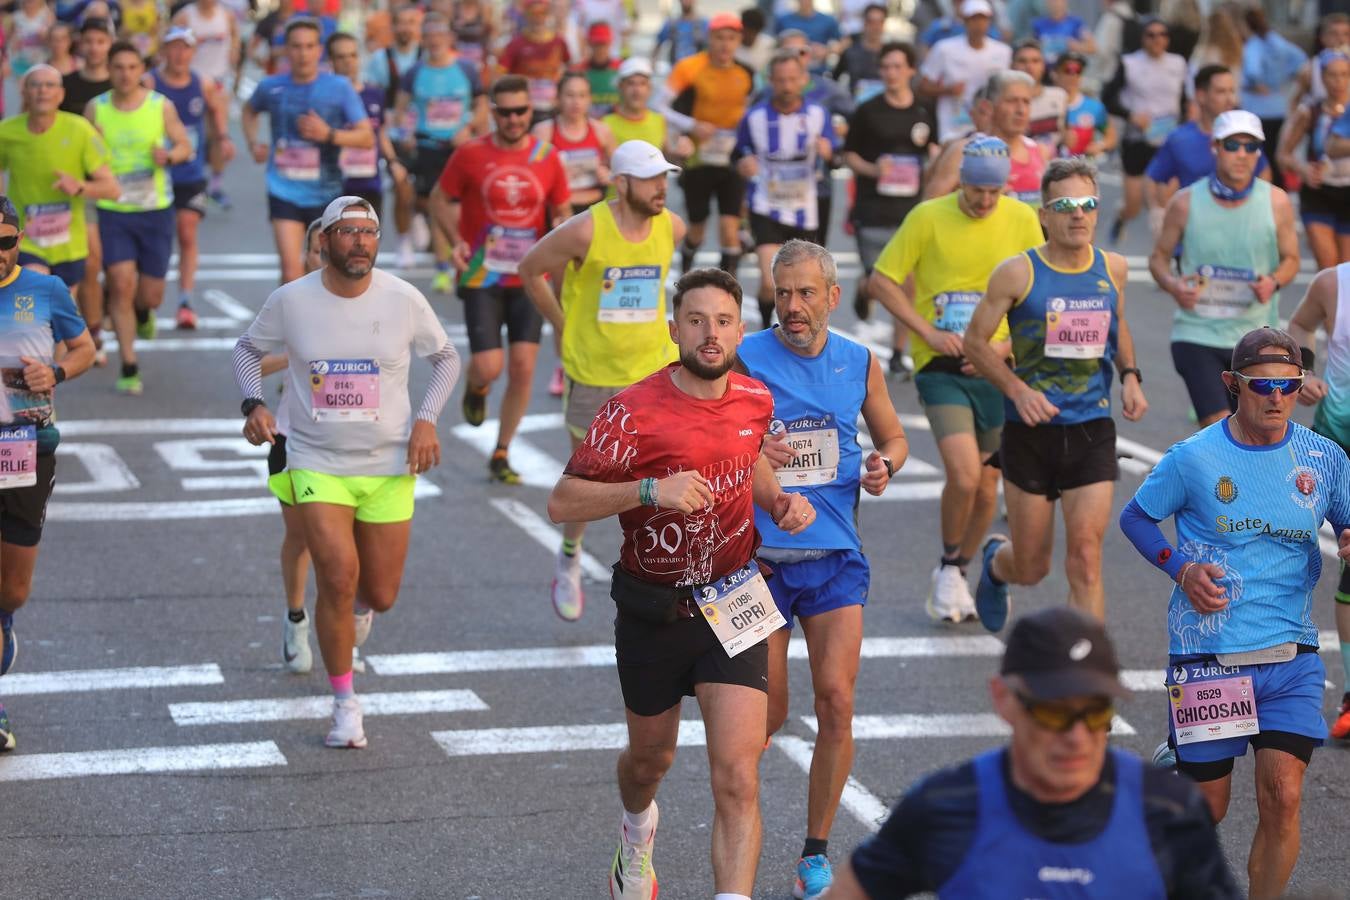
{"x":1117,"y":863}
{"x":1056,"y":331}
{"x":190,"y":103}
{"x":815,"y":397}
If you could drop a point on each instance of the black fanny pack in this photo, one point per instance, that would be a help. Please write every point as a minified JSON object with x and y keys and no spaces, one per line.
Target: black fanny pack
{"x":659,"y":604}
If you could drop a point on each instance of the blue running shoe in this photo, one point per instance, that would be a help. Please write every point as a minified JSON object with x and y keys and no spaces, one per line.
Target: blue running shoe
{"x":9,"y":645}
{"x":814,"y":877}
{"x":6,"y":733}
{"x":991,"y":601}
{"x":1165,"y":756}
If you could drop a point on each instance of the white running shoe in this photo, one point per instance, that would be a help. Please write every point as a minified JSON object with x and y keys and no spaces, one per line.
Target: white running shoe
{"x":965,"y":602}
{"x":363,"y":622}
{"x":295,"y":652}
{"x":406,"y":256}
{"x":358,"y":664}
{"x":946,"y":591}
{"x":632,"y":877}
{"x":568,"y":598}
{"x":347,"y":731}
{"x":421,"y":233}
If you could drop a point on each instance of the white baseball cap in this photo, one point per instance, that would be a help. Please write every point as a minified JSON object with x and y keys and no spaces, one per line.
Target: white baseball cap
{"x":347,"y":207}
{"x":976,"y":8}
{"x":1238,"y":121}
{"x":178,"y":33}
{"x":640,"y":160}
{"x":634,"y":65}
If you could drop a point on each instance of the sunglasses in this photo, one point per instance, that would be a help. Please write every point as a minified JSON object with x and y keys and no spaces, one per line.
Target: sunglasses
{"x":1267,"y":386}
{"x":1071,"y":69}
{"x":1060,"y":717}
{"x":507,"y":111}
{"x":1233,"y":145}
{"x":9,"y":242}
{"x":1069,"y":204}
{"x":1153,"y":34}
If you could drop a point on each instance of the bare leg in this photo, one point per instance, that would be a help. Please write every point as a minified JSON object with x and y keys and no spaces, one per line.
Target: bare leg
{"x":121,"y":300}
{"x":294,"y":558}
{"x":1087,"y":510}
{"x":330,"y":531}
{"x":734,"y":719}
{"x":520,"y":374}
{"x":1279,"y":792}
{"x":834,"y":644}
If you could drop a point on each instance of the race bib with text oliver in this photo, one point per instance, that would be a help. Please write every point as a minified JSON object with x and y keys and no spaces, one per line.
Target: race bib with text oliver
{"x":1077,"y":327}
{"x":345,"y":390}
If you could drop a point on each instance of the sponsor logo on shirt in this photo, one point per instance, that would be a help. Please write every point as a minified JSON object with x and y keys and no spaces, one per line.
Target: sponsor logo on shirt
{"x":1304,"y":481}
{"x":1063,"y":875}
{"x":1232,"y":525}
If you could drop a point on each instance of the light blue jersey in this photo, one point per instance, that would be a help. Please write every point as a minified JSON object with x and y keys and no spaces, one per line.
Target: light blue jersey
{"x":36,"y":312}
{"x":302,"y":172}
{"x":442,"y":97}
{"x":1255,"y":512}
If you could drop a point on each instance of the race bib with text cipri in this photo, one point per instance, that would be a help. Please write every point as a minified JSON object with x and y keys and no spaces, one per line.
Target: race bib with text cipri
{"x":138,"y":189}
{"x":359,"y":162}
{"x":18,"y":456}
{"x":739,"y":609}
{"x":899,"y":175}
{"x":344,"y":390}
{"x":504,"y":248}
{"x":444,"y":113}
{"x":790,"y":185}
{"x":1077,"y":327}
{"x":952,"y":310}
{"x":1225,"y":292}
{"x":816,"y":441}
{"x":716,"y":150}
{"x":1210,"y":702}
{"x":297,"y":160}
{"x":630,"y":294}
{"x":543,"y":93}
{"x":47,"y":224}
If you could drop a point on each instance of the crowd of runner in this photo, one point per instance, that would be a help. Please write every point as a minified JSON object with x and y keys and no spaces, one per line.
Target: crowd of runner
{"x":530,"y":150}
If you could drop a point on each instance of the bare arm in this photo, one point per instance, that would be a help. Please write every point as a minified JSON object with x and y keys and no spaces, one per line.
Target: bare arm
{"x":1183,"y":289}
{"x":273,"y":363}
{"x":569,"y":242}
{"x":181,"y":151}
{"x":861,"y":166}
{"x":248,"y":121}
{"x":1132,"y":400}
{"x":578,"y":500}
{"x":1286,"y":237}
{"x":79,"y":354}
{"x":1316,"y":310}
{"x":888,"y":435}
{"x":1291,"y":135}
{"x":1006,"y":285}
{"x":358,"y":135}
{"x":945,"y":174}
{"x":102,"y":185}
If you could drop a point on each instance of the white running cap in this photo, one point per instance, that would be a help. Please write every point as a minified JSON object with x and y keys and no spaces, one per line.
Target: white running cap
{"x":640,"y":160}
{"x":634,"y":65}
{"x":347,"y":207}
{"x":1238,"y":121}
{"x":178,"y":33}
{"x":976,"y":8}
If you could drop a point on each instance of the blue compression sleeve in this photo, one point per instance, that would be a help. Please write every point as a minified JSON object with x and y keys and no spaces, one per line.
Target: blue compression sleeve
{"x":1149,"y":540}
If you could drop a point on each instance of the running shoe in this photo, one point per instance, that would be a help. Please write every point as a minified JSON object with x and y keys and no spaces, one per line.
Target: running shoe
{"x":130,"y":384}
{"x":358,"y":664}
{"x":1340,"y":729}
{"x":632,"y":876}
{"x":1165,"y":756}
{"x":187,"y":318}
{"x":146,"y":330}
{"x":7,"y":741}
{"x":406,"y":256}
{"x":421,"y":233}
{"x":568,"y":598}
{"x":100,"y":358}
{"x":9,"y":644}
{"x":991,"y":601}
{"x":901,"y":365}
{"x":441,"y":283}
{"x":944,"y":594}
{"x":220,"y":198}
{"x":363,"y":622}
{"x":347,"y":730}
{"x":499,"y":469}
{"x":1117,"y":229}
{"x":295,"y":652}
{"x":474,"y":405}
{"x":555,"y":383}
{"x":814,"y":876}
{"x":862,"y":304}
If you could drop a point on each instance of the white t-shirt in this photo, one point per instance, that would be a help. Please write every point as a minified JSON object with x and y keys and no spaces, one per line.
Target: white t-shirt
{"x":953,"y":60}
{"x":1154,"y":86}
{"x":346,"y":393}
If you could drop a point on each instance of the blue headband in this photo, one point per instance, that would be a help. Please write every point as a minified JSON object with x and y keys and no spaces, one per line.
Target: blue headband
{"x":985,"y":162}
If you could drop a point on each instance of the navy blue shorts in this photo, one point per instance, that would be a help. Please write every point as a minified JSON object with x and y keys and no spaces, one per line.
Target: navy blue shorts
{"x":817,"y":586}
{"x":1201,"y":369}
{"x":71,"y":273}
{"x":190,"y":197}
{"x":145,"y":238}
{"x":284,"y":209}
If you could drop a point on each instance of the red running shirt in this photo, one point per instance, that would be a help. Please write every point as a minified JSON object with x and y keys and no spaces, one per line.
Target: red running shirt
{"x":504,"y":197}
{"x":652,"y":430}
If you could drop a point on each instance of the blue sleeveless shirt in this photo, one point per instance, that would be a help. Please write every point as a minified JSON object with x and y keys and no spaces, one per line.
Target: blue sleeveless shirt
{"x":190,"y":103}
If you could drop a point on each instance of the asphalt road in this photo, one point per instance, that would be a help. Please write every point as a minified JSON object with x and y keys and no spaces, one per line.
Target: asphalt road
{"x":163,"y":752}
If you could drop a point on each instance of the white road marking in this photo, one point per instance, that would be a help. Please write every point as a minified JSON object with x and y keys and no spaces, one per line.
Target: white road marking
{"x":28,"y":683}
{"x":204,"y":323}
{"x":107,"y":470}
{"x":222,"y":482}
{"x":551,"y":739}
{"x":866,"y":807}
{"x":939,"y":725}
{"x":101,"y":427}
{"x":203,"y":344}
{"x":231,"y":307}
{"x":546,"y":535}
{"x":537,"y":468}
{"x":145,"y":760}
{"x":280,"y":709}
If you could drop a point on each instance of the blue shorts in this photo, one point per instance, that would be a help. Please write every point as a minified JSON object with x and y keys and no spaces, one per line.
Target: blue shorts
{"x":284,"y":209}
{"x":817,"y":586}
{"x":1289,"y":699}
{"x":143,"y":237}
{"x":71,"y":273}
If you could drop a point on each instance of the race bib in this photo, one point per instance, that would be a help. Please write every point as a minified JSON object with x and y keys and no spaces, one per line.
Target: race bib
{"x":817,"y":460}
{"x":18,"y":403}
{"x":790,"y":185}
{"x":18,"y":456}
{"x":543,"y":93}
{"x":1225,"y":292}
{"x":630,"y":294}
{"x":297,"y":161}
{"x":716,"y":150}
{"x":582,"y":166}
{"x":739,"y":609}
{"x":444,"y":113}
{"x":899,"y":176}
{"x":1159,"y":128}
{"x":1210,"y":702}
{"x":1077,"y":327}
{"x":471,"y":54}
{"x":952,"y":310}
{"x":138,"y":189}
{"x":359,"y":162}
{"x":1031,"y":198}
{"x":506,"y":247}
{"x":868,"y":88}
{"x":47,"y":224}
{"x":344,"y":390}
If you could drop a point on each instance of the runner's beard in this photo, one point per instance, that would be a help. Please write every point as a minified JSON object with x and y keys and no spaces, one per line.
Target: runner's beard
{"x":697,"y":367}
{"x":351,"y":268}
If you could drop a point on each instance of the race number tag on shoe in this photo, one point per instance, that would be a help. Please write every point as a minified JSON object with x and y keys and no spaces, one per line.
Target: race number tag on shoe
{"x":297,"y":161}
{"x":739,"y":609}
{"x":47,"y":224}
{"x":899,"y":175}
{"x":817,"y":461}
{"x":630,"y":294}
{"x":1225,"y":292}
{"x":952,"y":310}
{"x":1077,"y":327}
{"x":345,"y":390}
{"x":506,"y":247}
{"x":1210,"y":701}
{"x":18,"y":456}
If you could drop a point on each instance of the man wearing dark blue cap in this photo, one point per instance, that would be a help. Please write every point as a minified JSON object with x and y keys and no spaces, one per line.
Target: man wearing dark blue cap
{"x":36,"y":314}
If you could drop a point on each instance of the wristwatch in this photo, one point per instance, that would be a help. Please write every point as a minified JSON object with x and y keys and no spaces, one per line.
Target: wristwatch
{"x":249,"y":405}
{"x":59,"y":373}
{"x":890,"y":467}
{"x":1131,"y":369}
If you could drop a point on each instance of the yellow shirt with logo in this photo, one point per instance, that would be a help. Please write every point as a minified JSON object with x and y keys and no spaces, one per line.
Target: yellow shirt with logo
{"x":952,"y":256}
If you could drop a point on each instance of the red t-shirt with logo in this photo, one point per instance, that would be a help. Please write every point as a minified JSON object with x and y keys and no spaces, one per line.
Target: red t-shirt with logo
{"x":504,"y":198}
{"x":652,"y":430}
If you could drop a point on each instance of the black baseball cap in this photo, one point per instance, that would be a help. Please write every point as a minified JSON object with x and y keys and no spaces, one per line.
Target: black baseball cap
{"x":1071,"y":56}
{"x":1248,"y":350}
{"x":97,"y":23}
{"x":1062,"y":652}
{"x":8,"y":214}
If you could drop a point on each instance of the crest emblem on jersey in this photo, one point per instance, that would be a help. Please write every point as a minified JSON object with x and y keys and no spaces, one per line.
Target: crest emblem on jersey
{"x":1304,"y":481}
{"x":1225,"y":491}
{"x":23,"y":308}
{"x":919,"y":134}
